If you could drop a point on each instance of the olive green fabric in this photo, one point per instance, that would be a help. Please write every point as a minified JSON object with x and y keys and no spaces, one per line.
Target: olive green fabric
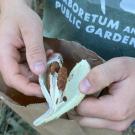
{"x":104,"y":26}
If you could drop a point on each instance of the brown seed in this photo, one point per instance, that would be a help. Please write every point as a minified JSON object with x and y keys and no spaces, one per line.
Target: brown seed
{"x":54,"y":67}
{"x":62,"y":78}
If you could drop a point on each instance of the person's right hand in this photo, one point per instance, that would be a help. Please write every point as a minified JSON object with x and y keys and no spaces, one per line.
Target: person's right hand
{"x":21,"y":28}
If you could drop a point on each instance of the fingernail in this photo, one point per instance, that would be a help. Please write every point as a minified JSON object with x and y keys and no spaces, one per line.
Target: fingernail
{"x":39,"y":67}
{"x":85,"y":86}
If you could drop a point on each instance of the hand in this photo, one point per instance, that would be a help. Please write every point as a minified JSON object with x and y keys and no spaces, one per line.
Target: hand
{"x":117,"y":109}
{"x":21,"y":28}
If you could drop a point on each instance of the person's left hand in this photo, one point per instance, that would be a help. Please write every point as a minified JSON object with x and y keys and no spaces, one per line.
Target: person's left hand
{"x":117,"y":109}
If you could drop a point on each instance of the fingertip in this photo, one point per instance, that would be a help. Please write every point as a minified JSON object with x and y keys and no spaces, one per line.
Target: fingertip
{"x":38,"y":68}
{"x":85,"y":86}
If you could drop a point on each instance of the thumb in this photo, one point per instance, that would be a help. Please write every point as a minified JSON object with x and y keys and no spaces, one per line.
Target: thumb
{"x":33,"y":38}
{"x":103,"y":75}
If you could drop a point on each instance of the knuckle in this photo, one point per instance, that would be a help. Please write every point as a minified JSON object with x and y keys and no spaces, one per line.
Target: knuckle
{"x":95,"y":74}
{"x":120,"y":62}
{"x":118,"y":65}
{"x":37,"y":23}
{"x":8,"y":82}
{"x":38,"y":19}
{"x":34,"y":51}
{"x":40,"y":22}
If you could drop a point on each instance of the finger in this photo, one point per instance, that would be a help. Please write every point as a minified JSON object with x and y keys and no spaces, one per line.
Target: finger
{"x":104,"y":107}
{"x":22,"y":51}
{"x":103,"y":75}
{"x":25,"y":71}
{"x":32,"y":34}
{"x":102,"y":123}
{"x":14,"y":79}
{"x":25,"y":86}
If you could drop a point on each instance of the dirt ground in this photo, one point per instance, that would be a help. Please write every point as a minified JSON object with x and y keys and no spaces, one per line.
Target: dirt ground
{"x":12,"y":124}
